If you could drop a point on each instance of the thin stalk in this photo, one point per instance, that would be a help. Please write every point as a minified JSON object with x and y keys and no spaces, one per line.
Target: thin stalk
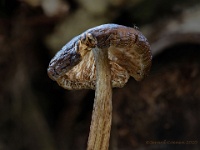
{"x":102,"y":111}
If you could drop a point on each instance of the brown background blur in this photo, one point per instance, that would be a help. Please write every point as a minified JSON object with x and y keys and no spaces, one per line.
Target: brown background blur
{"x":160,"y":113}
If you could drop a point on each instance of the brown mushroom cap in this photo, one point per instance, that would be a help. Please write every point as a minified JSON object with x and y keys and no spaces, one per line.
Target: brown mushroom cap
{"x":129,"y":54}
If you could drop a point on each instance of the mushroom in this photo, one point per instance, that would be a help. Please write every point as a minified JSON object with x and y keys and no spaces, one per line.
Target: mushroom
{"x":101,"y":58}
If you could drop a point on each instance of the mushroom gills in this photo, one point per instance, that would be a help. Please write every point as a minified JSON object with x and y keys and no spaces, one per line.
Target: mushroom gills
{"x":83,"y":75}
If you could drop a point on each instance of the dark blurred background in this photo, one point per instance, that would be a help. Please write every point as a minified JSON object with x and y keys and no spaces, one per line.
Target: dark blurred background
{"x":35,"y":113}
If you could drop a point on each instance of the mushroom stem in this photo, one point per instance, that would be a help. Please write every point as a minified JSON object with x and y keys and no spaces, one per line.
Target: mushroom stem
{"x":102,"y":111}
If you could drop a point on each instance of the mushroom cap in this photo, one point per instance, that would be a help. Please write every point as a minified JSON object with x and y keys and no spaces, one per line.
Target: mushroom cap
{"x":129,"y":54}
